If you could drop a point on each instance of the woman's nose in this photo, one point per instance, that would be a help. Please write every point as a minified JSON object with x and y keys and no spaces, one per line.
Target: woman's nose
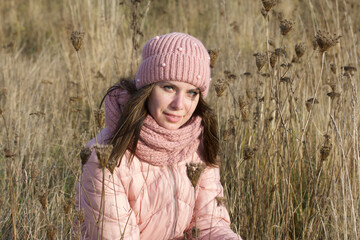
{"x":178,"y":102}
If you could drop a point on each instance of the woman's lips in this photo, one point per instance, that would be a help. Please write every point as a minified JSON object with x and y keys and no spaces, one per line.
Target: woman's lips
{"x":172,"y":118}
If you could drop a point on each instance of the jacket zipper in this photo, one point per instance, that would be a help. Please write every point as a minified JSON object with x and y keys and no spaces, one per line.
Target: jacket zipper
{"x":175,"y":217}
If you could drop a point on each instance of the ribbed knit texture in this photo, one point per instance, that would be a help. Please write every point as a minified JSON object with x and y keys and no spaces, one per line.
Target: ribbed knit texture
{"x":175,"y":57}
{"x":157,"y":145}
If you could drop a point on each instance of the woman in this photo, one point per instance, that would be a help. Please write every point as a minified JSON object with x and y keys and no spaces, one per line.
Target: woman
{"x":152,"y":172}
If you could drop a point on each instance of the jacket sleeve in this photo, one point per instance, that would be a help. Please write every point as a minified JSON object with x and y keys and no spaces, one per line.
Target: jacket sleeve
{"x":212,"y":218}
{"x":107,"y":212}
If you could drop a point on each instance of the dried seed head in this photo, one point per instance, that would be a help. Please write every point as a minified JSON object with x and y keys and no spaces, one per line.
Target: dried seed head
{"x":235,"y":27}
{"x":99,"y":117}
{"x":242,"y":102}
{"x":231,"y":121}
{"x":326,"y":148}
{"x":84,"y":155}
{"x":268,"y":4}
{"x":280,"y":51}
{"x":195,"y":233}
{"x":310,"y":102}
{"x":247,"y":74}
{"x":325,"y":40}
{"x":221,"y":201}
{"x":67,"y":205}
{"x":273,"y":59}
{"x":229,"y":76}
{"x":75,"y":99}
{"x":260,"y":59}
{"x":349,"y":70}
{"x":42,"y":196}
{"x":333,"y":95}
{"x":8,"y":153}
{"x":244,"y":114}
{"x":250,"y":93}
{"x":271,"y":42}
{"x":103,"y":153}
{"x":249,"y":153}
{"x":285,"y":79}
{"x":213,"y":56}
{"x":111,"y":164}
{"x":264,"y":13}
{"x":300,"y":49}
{"x":193,"y":171}
{"x":286,"y":26}
{"x":220,"y":87}
{"x":80,"y":215}
{"x":76,"y":39}
{"x":51,"y":231}
{"x":228,"y":133}
{"x":333,"y":68}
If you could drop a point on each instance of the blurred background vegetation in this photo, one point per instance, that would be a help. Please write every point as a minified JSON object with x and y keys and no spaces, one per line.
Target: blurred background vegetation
{"x":284,"y":90}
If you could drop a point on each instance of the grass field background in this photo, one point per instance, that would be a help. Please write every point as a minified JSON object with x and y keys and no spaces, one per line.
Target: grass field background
{"x":289,"y":116}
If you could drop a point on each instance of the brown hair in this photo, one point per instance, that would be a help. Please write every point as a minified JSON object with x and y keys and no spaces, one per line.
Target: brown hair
{"x":128,"y":129}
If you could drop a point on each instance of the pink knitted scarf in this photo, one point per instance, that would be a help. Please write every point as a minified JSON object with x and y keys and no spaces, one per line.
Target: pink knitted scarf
{"x":157,"y":145}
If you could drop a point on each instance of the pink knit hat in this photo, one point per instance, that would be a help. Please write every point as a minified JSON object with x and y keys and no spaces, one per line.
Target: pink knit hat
{"x":175,"y":57}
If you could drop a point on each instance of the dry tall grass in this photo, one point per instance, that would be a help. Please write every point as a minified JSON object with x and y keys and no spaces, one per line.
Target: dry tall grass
{"x":289,"y":116}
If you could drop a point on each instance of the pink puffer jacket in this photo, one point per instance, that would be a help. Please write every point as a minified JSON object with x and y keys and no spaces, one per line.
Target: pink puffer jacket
{"x":143,"y":201}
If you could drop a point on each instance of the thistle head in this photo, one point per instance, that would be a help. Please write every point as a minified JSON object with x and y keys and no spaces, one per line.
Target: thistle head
{"x":193,"y":171}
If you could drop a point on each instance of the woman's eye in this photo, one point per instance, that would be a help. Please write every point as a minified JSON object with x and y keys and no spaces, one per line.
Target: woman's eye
{"x":193,"y":93}
{"x":168,"y":88}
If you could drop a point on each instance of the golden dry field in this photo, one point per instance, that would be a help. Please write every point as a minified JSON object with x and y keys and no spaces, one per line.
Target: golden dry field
{"x":285,"y":91}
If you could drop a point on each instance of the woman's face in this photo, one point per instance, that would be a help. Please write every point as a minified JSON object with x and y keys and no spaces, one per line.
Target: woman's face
{"x":172,"y":103}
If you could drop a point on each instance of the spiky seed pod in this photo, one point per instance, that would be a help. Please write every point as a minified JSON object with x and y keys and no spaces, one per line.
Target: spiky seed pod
{"x":43,"y":199}
{"x":229,"y":76}
{"x":228,"y":133}
{"x":221,"y":201}
{"x":268,"y":4}
{"x":250,"y":93}
{"x":103,"y":153}
{"x":220,"y":87}
{"x":325,"y":40}
{"x":333,"y":95}
{"x":214,"y":53}
{"x":280,"y":51}
{"x":249,"y":153}
{"x":111,"y":164}
{"x":84,"y":155}
{"x":242,"y":102}
{"x":264,"y":13}
{"x":349,"y":70}
{"x":67,"y":205}
{"x":193,"y":171}
{"x":310,"y":102}
{"x":285,"y":79}
{"x":300,"y":49}
{"x":325,"y":152}
{"x":99,"y":117}
{"x":273,"y":59}
{"x":244,"y":114}
{"x":75,"y":99}
{"x":76,"y":39}
{"x":247,"y":74}
{"x":51,"y":231}
{"x":286,"y":26}
{"x":333,"y":68}
{"x":260,"y":59}
{"x":195,"y":233}
{"x":80,"y":215}
{"x":8,"y":153}
{"x":271,"y":42}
